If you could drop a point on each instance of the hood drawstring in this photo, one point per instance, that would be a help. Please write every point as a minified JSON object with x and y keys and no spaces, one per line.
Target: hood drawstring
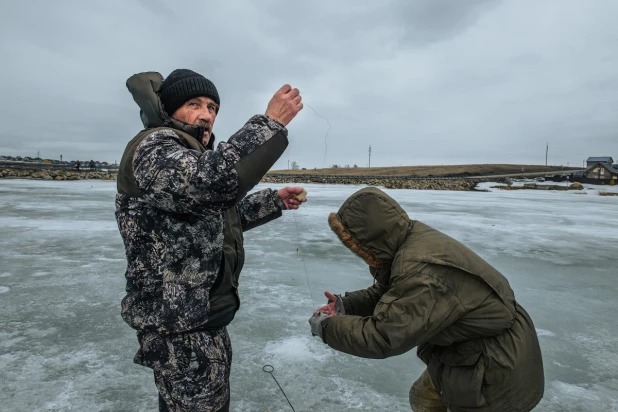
{"x":200,"y":135}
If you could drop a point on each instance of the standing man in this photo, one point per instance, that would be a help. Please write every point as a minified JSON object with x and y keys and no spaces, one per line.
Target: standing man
{"x":181,"y":209}
{"x":433,"y":293}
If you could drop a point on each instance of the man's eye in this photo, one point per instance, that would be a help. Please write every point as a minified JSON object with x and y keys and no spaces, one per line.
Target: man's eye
{"x":193,"y":104}
{"x":212,"y":108}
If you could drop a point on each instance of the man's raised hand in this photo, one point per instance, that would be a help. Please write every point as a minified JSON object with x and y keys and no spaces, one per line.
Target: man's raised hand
{"x":284,"y":105}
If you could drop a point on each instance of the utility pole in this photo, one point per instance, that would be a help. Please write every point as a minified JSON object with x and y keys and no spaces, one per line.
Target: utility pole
{"x":61,"y":158}
{"x":546,"y":150}
{"x":369,"y":155}
{"x":38,"y":154}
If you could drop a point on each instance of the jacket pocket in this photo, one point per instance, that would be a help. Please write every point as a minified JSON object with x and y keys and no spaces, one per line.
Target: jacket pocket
{"x":381,"y":311}
{"x":458,"y":373}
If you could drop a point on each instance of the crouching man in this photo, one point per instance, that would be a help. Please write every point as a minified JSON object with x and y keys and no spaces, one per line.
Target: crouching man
{"x":433,"y":293}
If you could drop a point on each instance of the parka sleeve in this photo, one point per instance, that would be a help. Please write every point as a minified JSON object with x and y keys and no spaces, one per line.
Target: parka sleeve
{"x":259,"y":208}
{"x":177,"y":179}
{"x":363,"y":302}
{"x":410,"y":313}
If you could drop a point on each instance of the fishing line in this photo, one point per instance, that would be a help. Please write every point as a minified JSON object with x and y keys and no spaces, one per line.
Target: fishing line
{"x":327,"y":132}
{"x":302,"y":257}
{"x":269,"y":368}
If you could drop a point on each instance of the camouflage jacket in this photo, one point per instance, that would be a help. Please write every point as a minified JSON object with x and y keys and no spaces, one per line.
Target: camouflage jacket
{"x":174,"y":230}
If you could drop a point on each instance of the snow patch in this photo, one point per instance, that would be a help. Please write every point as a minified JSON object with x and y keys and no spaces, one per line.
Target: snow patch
{"x":574,"y":391}
{"x":297,"y":349}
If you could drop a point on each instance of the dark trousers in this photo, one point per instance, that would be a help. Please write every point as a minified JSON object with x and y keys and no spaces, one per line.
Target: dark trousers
{"x":163,"y":406}
{"x":195,"y":376}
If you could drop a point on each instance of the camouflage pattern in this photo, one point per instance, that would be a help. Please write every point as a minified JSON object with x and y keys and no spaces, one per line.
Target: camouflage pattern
{"x":173,"y":233}
{"x":181,"y":210}
{"x":259,"y":208}
{"x":191,"y":370}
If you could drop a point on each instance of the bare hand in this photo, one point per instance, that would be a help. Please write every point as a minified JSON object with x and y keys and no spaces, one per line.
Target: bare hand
{"x":288,"y":195}
{"x":284,"y":105}
{"x":329,"y":308}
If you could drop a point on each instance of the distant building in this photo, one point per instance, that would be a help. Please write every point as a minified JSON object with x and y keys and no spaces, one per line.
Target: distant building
{"x":601,"y":173}
{"x":604,"y":160}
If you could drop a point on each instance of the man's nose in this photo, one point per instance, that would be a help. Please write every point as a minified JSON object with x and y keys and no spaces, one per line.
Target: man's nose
{"x":206,"y":115}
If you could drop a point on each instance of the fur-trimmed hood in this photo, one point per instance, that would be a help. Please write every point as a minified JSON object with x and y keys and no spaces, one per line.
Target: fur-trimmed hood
{"x":372,"y":225}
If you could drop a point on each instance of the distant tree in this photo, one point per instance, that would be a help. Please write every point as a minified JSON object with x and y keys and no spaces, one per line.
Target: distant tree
{"x":335,"y":166}
{"x":295,"y":166}
{"x":355,"y":165}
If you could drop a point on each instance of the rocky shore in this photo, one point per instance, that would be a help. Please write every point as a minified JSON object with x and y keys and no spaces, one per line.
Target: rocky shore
{"x":54,"y":174}
{"x":423,"y":184}
{"x":419,"y":184}
{"x":535,"y":186}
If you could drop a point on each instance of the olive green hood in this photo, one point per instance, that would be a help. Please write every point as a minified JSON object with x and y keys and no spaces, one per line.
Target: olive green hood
{"x":145,"y":88}
{"x":372,"y":225}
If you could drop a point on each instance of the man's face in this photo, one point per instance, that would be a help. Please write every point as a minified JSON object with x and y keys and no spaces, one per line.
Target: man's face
{"x":199,"y":111}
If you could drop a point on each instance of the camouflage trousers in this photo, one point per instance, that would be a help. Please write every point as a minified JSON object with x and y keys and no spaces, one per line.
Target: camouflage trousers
{"x":193,"y":373}
{"x":424,"y":396}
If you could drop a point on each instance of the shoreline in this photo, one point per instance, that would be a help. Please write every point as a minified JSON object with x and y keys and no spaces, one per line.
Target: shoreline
{"x":54,"y":174}
{"x":455,"y":184}
{"x":437,"y":183}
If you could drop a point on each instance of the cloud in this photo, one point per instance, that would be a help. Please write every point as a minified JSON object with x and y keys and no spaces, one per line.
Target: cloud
{"x":423,"y":82}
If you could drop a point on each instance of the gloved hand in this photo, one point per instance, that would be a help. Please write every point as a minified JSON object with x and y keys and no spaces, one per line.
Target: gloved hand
{"x":316,"y":323}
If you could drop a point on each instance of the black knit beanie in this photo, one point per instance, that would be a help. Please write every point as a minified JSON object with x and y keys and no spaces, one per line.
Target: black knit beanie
{"x":182,"y":85}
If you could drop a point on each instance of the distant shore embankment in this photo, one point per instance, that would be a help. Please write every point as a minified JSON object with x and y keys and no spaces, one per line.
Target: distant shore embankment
{"x":389,"y":183}
{"x":54,"y":174}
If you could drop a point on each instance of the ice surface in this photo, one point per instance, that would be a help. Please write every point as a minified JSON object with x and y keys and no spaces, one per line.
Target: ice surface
{"x":64,"y":346}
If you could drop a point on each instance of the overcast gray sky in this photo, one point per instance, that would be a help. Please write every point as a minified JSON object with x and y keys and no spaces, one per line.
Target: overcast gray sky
{"x":423,"y":82}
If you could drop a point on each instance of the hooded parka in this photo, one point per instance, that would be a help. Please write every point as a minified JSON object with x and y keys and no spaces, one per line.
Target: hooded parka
{"x":435,"y":294}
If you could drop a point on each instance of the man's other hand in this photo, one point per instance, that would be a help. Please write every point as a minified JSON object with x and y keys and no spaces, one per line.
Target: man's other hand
{"x":284,"y":105}
{"x":329,"y":308}
{"x":288,"y":195}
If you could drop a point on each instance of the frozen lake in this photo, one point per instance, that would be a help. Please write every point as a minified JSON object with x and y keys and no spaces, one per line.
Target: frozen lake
{"x":64,"y":346}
